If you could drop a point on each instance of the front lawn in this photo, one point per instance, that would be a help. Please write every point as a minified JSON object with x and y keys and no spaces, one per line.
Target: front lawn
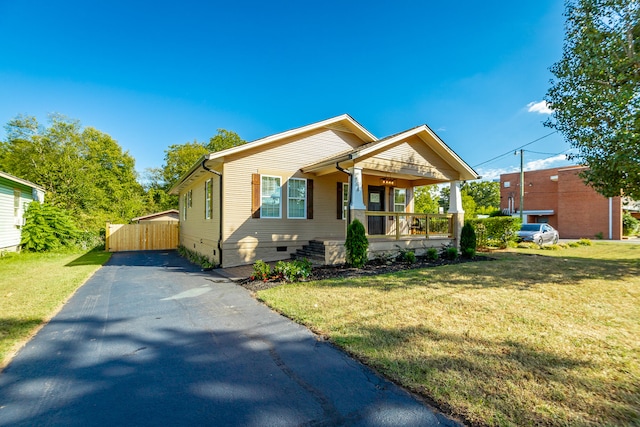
{"x":533,"y":338}
{"x":33,"y":287}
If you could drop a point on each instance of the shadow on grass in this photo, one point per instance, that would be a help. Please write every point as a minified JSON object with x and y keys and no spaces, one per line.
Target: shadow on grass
{"x":93,"y":257}
{"x":512,"y":270}
{"x":500,"y":375}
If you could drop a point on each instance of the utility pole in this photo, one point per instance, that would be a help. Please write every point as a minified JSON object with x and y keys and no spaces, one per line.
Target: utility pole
{"x":521,"y":186}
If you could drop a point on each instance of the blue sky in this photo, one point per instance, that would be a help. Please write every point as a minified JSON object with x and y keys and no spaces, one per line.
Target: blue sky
{"x":152,"y":74}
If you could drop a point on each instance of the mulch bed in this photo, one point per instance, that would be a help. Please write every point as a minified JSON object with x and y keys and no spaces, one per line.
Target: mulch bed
{"x":370,"y":269}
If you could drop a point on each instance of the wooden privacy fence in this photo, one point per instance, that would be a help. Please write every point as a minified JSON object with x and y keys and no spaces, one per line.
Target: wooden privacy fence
{"x":145,"y":236}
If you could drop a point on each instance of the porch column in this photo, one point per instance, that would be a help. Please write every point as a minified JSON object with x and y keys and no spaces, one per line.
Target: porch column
{"x":455,"y":208}
{"x":356,"y":198}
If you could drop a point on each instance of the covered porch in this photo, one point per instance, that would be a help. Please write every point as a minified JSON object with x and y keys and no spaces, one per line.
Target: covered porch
{"x":378,"y":190}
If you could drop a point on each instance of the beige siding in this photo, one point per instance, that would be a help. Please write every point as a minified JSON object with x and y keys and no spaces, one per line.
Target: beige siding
{"x":248,"y":239}
{"x":412,"y":156}
{"x":197,"y":233}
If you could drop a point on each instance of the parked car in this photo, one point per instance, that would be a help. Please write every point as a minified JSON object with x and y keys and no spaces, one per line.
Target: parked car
{"x":538,"y":233}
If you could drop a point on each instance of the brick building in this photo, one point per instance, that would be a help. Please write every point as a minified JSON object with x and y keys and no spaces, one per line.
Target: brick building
{"x":560,"y":198}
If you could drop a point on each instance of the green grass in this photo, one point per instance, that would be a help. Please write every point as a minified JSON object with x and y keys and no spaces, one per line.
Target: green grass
{"x":537,"y":337}
{"x":33,"y":287}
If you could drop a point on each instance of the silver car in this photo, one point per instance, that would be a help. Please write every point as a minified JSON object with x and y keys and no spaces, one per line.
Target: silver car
{"x":538,"y":233}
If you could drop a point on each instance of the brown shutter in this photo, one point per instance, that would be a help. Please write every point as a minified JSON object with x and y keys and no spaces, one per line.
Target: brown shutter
{"x":255,"y":195}
{"x":339,"y":202}
{"x":309,"y":199}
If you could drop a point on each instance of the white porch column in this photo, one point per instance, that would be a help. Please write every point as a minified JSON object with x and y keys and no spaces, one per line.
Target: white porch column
{"x":455,"y":208}
{"x":356,"y":205}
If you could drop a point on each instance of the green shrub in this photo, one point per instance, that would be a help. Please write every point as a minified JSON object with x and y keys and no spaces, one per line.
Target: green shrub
{"x":553,"y":247}
{"x":356,"y":244}
{"x":468,"y":240}
{"x":629,"y":224}
{"x":527,"y":245}
{"x":195,"y":257}
{"x":451,"y":253}
{"x":47,"y":228}
{"x":495,"y":231}
{"x":261,"y":271}
{"x":293,"y":271}
{"x":599,"y":235}
{"x":432,"y":254}
{"x":584,"y":242}
{"x":574,"y":244}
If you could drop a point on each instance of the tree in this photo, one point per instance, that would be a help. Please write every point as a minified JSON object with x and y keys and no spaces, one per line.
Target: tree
{"x":224,"y":139}
{"x":486,"y":194}
{"x":84,"y":171}
{"x":426,"y":199}
{"x":596,"y":94}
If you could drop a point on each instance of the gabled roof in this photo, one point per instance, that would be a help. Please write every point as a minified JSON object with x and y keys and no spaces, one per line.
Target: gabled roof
{"x":423,"y":132}
{"x":344,"y":123}
{"x":157,"y":214}
{"x":20,"y":181}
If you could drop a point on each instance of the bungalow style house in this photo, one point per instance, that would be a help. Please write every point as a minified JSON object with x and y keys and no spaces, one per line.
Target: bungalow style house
{"x":15,"y":196}
{"x":296,"y":191}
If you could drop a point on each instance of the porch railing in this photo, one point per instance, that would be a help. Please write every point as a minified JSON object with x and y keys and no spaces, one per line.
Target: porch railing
{"x":405,"y":224}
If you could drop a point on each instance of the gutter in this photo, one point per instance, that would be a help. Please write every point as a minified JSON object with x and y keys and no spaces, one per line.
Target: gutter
{"x":204,"y":166}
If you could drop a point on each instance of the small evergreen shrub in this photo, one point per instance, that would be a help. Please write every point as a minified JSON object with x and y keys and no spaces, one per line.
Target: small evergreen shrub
{"x":553,"y":247}
{"x":574,"y":244}
{"x":468,"y":240}
{"x":356,"y":244}
{"x":585,"y":242}
{"x":261,"y":271}
{"x":451,"y":253}
{"x":432,"y":254}
{"x":47,"y":228}
{"x":495,"y":231}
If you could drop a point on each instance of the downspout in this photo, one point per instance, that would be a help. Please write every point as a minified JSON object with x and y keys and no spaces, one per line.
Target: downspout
{"x":341,"y":169}
{"x":610,"y":218}
{"x":204,"y":166}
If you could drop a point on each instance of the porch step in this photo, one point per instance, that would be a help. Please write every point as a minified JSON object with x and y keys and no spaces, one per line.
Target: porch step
{"x":314,"y":252}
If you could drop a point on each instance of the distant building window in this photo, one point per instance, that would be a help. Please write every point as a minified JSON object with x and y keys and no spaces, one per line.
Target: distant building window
{"x":208,"y":199}
{"x":399,"y":199}
{"x":297,"y":198}
{"x":271,"y":193}
{"x":507,"y":184}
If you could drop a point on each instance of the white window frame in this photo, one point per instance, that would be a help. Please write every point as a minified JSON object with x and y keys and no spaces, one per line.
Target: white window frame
{"x":17,"y":196}
{"x":208,"y":199}
{"x":184,"y":206}
{"x":396,"y":205}
{"x":290,"y":198}
{"x":345,"y":199}
{"x":279,"y":196}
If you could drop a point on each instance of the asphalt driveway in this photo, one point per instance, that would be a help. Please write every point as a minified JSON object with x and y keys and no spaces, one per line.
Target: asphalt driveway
{"x":150,"y":340}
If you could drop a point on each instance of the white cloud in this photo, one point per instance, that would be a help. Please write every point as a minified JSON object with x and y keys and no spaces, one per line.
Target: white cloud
{"x":539,"y":107}
{"x":545,"y":163}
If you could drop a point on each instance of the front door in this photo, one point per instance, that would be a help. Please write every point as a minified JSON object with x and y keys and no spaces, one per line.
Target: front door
{"x":376,"y":203}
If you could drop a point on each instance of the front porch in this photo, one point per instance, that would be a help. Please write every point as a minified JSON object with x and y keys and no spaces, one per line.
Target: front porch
{"x":404,"y":231}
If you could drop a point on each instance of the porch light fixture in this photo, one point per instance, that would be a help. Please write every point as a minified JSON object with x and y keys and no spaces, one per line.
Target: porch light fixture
{"x":388,"y":181}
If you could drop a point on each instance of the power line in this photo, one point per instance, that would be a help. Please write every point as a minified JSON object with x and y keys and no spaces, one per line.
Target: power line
{"x":510,"y":152}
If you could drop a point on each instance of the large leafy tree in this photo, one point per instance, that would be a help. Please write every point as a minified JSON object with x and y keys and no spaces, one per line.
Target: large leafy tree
{"x":84,"y":171}
{"x":486,"y":195}
{"x":596,"y":93}
{"x":178,"y":159}
{"x":426,"y":199}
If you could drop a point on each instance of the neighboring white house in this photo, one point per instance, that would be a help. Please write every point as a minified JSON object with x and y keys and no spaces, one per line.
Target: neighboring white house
{"x":15,"y":196}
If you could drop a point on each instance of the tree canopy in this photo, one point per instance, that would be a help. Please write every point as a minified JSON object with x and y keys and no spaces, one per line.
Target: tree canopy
{"x":84,"y":171}
{"x":596,"y":92}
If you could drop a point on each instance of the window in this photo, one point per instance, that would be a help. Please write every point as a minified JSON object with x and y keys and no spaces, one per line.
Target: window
{"x":345,"y":199}
{"x":208,"y":199}
{"x":399,"y":199}
{"x":184,"y":206}
{"x":270,"y":193}
{"x":16,"y":203}
{"x":297,"y":198}
{"x":190,"y":198}
{"x":507,"y":184}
